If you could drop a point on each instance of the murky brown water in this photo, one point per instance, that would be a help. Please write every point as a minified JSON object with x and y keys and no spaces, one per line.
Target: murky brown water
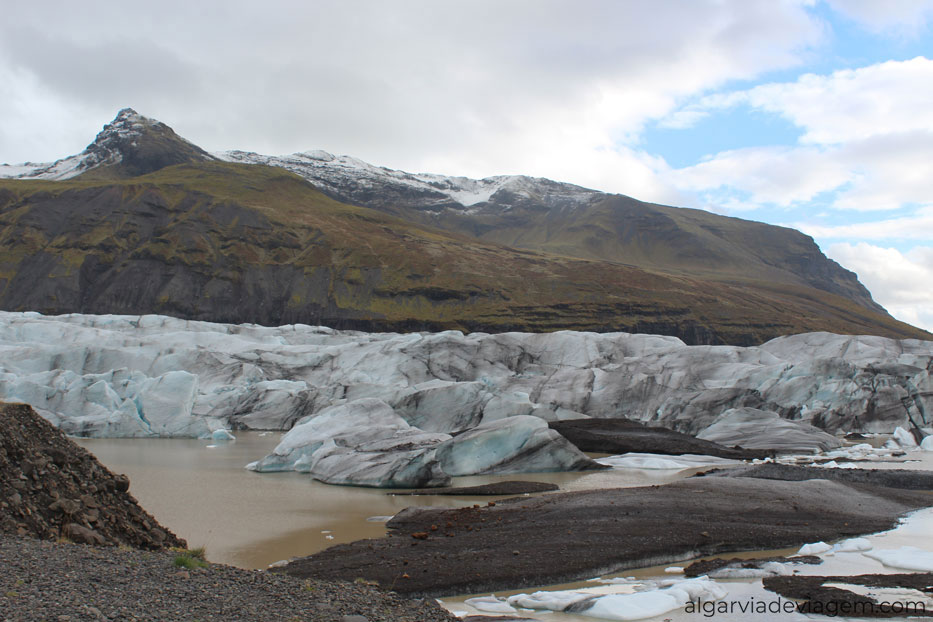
{"x":201,"y":491}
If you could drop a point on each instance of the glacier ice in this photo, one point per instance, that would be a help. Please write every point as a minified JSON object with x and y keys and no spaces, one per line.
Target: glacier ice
{"x":814,"y":548}
{"x":519,"y":444}
{"x":753,"y":428}
{"x":150,"y":375}
{"x":654,"y":600}
{"x":905,"y":558}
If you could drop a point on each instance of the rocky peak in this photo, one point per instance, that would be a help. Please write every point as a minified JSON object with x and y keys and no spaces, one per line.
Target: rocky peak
{"x":129,"y":145}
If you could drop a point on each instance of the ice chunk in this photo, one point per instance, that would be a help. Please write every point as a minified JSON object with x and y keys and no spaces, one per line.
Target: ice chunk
{"x":927,"y":443}
{"x":663,"y":462}
{"x":222,"y":435}
{"x":520,"y":444}
{"x":557,"y":600}
{"x":752,"y":428}
{"x":765,"y":569}
{"x":852,"y":545}
{"x":904,"y":438}
{"x":649,"y":603}
{"x":816,"y":548}
{"x":906,"y":558}
{"x":490,"y":604}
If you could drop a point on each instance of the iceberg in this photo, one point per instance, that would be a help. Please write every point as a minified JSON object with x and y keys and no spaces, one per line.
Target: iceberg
{"x":520,"y":444}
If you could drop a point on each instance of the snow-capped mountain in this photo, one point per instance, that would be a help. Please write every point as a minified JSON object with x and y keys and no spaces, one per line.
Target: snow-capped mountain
{"x":355,"y":181}
{"x":119,"y":143}
{"x":343,"y":177}
{"x":244,"y":237}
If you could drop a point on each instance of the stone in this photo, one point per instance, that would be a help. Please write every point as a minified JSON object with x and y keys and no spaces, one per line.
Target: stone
{"x":82,"y":535}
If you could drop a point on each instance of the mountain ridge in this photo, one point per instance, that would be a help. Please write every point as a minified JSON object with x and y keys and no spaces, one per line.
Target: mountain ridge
{"x":203,"y":237}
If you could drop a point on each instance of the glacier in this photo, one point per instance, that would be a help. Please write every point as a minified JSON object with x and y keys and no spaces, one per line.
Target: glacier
{"x":456,"y":403}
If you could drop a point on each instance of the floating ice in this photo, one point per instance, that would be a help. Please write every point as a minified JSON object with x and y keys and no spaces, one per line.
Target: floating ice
{"x":853,"y":545}
{"x":490,"y":604}
{"x":519,"y":444}
{"x":904,"y":438}
{"x":222,"y":435}
{"x":815,"y":548}
{"x":753,"y":428}
{"x":766,"y":569}
{"x":670,"y":595}
{"x":663,"y":462}
{"x":906,"y":558}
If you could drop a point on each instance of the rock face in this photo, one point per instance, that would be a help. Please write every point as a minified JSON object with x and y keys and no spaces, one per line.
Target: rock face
{"x":50,"y":488}
{"x":128,"y":146}
{"x":545,"y":215}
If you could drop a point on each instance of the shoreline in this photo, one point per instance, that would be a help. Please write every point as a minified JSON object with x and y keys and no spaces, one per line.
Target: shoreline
{"x":513,"y":544}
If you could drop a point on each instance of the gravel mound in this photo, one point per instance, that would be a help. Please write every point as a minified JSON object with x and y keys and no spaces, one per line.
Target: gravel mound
{"x":62,"y":582}
{"x":50,"y":488}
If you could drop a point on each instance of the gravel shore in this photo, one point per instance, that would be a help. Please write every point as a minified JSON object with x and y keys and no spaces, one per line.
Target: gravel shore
{"x":64,"y":582}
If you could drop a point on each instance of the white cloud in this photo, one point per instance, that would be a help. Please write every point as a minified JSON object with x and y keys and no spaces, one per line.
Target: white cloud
{"x":907,"y":16}
{"x":781,"y":176}
{"x":898,"y":282}
{"x":916,"y":226}
{"x":853,"y":104}
{"x":867,"y":135}
{"x":475,"y":88}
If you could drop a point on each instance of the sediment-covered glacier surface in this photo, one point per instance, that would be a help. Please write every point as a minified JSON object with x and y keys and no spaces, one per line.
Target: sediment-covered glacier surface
{"x":135,"y":376}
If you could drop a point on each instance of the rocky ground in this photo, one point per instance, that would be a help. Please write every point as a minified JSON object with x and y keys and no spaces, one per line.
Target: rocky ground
{"x":514,"y":543}
{"x":821,"y":595}
{"x":54,"y":496}
{"x":52,"y":489}
{"x":47,"y":581}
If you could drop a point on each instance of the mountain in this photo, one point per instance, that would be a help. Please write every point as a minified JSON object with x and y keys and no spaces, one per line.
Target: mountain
{"x":143,"y":221}
{"x":564,"y":219}
{"x":128,"y":146}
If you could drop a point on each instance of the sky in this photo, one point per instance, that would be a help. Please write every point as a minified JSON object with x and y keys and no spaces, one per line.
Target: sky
{"x":812,"y":114}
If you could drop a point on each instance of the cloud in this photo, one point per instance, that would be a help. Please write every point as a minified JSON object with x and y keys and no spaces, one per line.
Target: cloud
{"x":852,"y":104}
{"x":475,"y":88}
{"x":916,"y":226}
{"x":867,"y":136}
{"x":897,"y":281}
{"x":780,"y":176}
{"x":906,"y":16}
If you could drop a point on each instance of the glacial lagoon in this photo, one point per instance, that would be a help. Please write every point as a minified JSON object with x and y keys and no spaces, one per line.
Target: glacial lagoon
{"x":200,"y":490}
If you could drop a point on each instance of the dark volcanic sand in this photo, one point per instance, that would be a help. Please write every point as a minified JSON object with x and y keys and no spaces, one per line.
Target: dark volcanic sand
{"x":819,"y":598}
{"x":491,"y":490}
{"x":620,"y":436}
{"x":47,"y":582}
{"x":888,"y":478}
{"x":564,"y":537}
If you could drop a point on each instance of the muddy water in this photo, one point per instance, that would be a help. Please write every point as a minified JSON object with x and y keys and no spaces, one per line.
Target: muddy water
{"x":201,"y":491}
